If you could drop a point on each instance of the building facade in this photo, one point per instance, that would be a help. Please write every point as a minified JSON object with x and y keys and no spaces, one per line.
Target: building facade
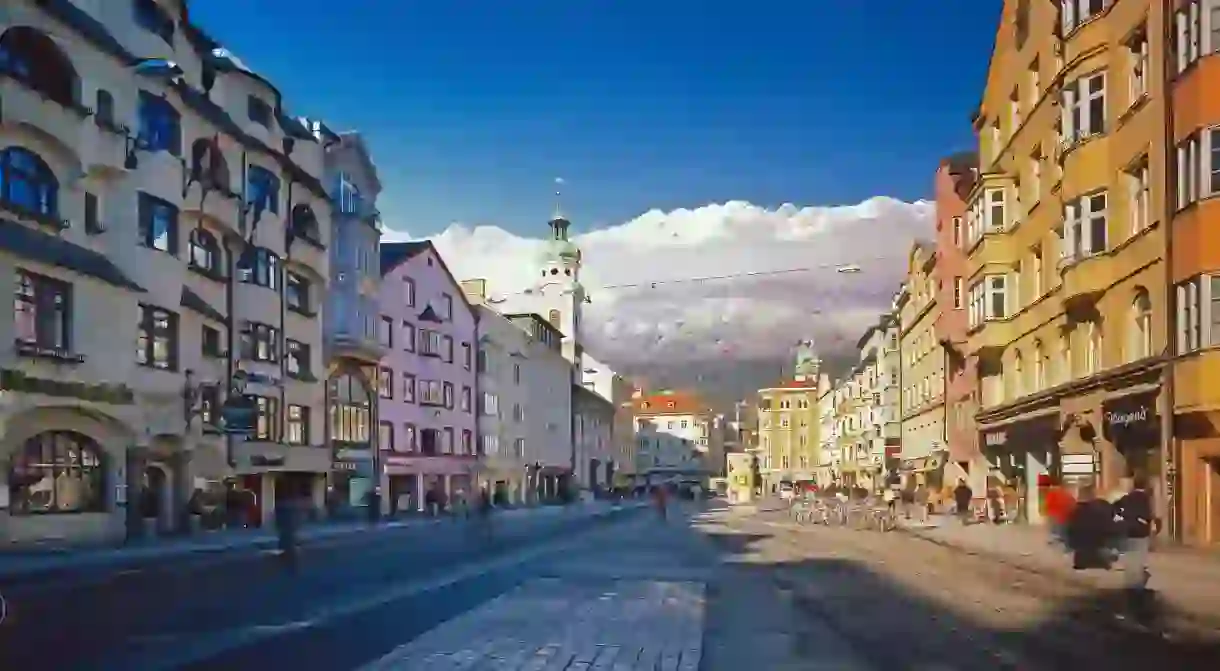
{"x":1065,"y":234}
{"x":1193,"y":455}
{"x":140,"y":185}
{"x":502,"y":367}
{"x":353,"y":345}
{"x":427,"y":382}
{"x":954,"y":180}
{"x":675,"y":423}
{"x":923,"y":371}
{"x":592,"y":427}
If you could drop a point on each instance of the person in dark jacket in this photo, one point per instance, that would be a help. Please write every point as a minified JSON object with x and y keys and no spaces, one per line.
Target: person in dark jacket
{"x":1090,"y":532}
{"x":1137,"y":525}
{"x":962,"y":496}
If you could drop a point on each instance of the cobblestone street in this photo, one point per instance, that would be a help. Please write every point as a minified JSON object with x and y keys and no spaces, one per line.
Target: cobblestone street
{"x":903,"y":602}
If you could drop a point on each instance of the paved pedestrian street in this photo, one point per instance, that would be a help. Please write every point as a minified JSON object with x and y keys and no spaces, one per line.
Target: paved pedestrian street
{"x":553,"y":625}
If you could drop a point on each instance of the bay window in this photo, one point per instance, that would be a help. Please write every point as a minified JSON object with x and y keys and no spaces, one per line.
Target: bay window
{"x":989,"y":299}
{"x":987,"y":214}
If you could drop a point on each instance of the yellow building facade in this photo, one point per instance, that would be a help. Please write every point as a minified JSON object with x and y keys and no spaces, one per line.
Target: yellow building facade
{"x":922,"y":373}
{"x":788,"y":432}
{"x":1065,"y":232}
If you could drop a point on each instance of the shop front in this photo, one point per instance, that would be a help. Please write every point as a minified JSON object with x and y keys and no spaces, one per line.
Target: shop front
{"x":1198,"y":478}
{"x":1132,"y":426}
{"x":352,"y":482}
{"x":269,"y":474}
{"x":1022,"y":456}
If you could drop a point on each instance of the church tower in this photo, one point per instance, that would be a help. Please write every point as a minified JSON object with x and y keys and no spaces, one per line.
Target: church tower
{"x":559,"y":290}
{"x":807,"y":362}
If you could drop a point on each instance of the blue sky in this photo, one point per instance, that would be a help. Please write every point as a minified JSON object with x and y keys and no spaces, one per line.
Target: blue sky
{"x":473,"y":107}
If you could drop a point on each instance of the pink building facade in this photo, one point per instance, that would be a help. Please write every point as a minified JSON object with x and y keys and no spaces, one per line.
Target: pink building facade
{"x":427,"y":381}
{"x":954,"y":179}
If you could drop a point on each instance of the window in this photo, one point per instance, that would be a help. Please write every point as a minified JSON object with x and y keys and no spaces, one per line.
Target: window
{"x":466,"y":359}
{"x":263,"y":189}
{"x":518,"y":413}
{"x":1039,"y":356}
{"x":447,"y":349}
{"x":33,"y":59}
{"x":408,"y":336}
{"x":408,"y":387}
{"x":408,"y":292}
{"x":304,"y":224}
{"x":1138,"y":198}
{"x":210,"y":339}
{"x":385,"y":436}
{"x":957,"y":231}
{"x":260,"y":342}
{"x":208,"y":165}
{"x":446,"y":307}
{"x":1076,"y":12}
{"x":157,"y":344}
{"x":158,"y":224}
{"x":42,"y":312}
{"x":1036,"y":270}
{"x":1035,"y":176}
{"x":431,"y":343}
{"x":296,"y":428}
{"x":1141,"y":334}
{"x":1084,"y":227}
{"x":297,"y":358}
{"x":448,"y":445}
{"x":467,"y":441}
{"x":1084,"y":108}
{"x":204,"y":252}
{"x":986,"y":214}
{"x":160,"y":125}
{"x":1190,"y":170}
{"x":1137,"y":66}
{"x":259,"y":266}
{"x":519,"y":448}
{"x":408,"y":442}
{"x":296,"y":292}
{"x":346,"y":195}
{"x":266,"y":423}
{"x":1093,"y":348}
{"x":467,"y":396}
{"x":57,"y":472}
{"x":385,"y":382}
{"x":989,"y":299}
{"x":1211,"y":172}
{"x":385,"y":331}
{"x":431,"y":392}
{"x":958,"y":291}
{"x":27,"y":184}
{"x":1021,"y":23}
{"x":489,"y":405}
{"x":1188,"y":25}
{"x":350,"y":409}
{"x":258,"y":111}
{"x":1018,"y":376}
{"x":448,"y":394}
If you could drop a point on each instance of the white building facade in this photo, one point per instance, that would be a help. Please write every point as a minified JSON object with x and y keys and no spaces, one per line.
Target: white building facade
{"x":137,"y":295}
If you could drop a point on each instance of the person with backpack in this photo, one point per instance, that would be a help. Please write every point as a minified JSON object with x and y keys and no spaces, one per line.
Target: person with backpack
{"x":1137,"y":525}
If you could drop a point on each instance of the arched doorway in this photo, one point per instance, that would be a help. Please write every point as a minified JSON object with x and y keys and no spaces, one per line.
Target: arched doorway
{"x":156,"y":499}
{"x":350,"y":417}
{"x":57,"y":473}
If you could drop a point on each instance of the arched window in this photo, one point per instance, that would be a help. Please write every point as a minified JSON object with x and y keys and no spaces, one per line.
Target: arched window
{"x":57,"y":472}
{"x":1141,"y":334}
{"x":26,"y":182}
{"x":350,"y":410}
{"x":31,"y":57}
{"x":205,"y":251}
{"x":305,"y":222}
{"x":208,"y":165}
{"x":263,"y":188}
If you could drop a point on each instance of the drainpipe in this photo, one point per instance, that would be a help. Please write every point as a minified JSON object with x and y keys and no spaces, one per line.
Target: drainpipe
{"x":1167,"y":498}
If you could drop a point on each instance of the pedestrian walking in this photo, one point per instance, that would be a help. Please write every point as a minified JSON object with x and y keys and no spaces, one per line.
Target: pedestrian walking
{"x":1137,"y":524}
{"x":962,"y":496}
{"x":922,"y":496}
{"x":286,"y":532}
{"x":660,"y":495}
{"x":1059,"y":506}
{"x":891,"y":501}
{"x":1091,"y":531}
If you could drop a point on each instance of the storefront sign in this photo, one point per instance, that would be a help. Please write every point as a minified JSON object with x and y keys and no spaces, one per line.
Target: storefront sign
{"x":995,"y":439}
{"x":1131,"y":422}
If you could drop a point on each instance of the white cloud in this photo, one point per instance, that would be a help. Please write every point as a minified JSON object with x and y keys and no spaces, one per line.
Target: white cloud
{"x":757,"y":313}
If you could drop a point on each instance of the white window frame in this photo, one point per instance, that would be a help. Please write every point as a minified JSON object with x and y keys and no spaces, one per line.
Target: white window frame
{"x":1079,"y":102}
{"x":1036,"y":270}
{"x":1139,"y":196}
{"x":1189,"y":33}
{"x":1075,"y":13}
{"x":1082,"y":219}
{"x":1035,"y":177}
{"x":1190,"y":170}
{"x":1209,"y":162}
{"x":1138,"y":62}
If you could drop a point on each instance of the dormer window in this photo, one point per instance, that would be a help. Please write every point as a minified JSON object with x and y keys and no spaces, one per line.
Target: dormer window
{"x":152,"y":17}
{"x":258,"y":111}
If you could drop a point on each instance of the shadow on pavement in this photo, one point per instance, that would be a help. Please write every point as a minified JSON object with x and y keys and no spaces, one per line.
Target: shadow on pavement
{"x":888,"y":626}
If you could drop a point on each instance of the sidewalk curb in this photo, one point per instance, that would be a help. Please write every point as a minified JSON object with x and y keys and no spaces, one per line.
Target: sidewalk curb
{"x":1177,"y":617}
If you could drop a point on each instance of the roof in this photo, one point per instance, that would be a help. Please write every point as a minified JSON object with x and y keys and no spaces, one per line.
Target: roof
{"x":792,"y":385}
{"x":669,"y":403}
{"x":53,"y":250}
{"x":394,"y":254}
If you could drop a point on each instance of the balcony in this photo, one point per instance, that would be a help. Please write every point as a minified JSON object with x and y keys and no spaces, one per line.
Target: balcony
{"x":218,"y":207}
{"x":344,"y":343}
{"x":21,"y":105}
